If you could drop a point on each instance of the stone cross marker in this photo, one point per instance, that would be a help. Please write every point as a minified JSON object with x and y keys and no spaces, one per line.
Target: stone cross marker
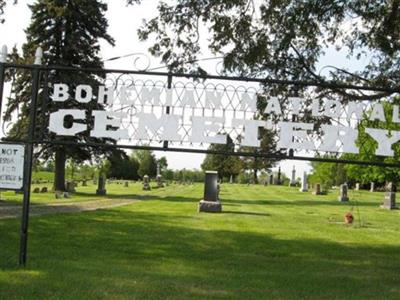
{"x":343,"y":193}
{"x":389,"y":202}
{"x":293,"y":179}
{"x":304,"y":186}
{"x":101,"y":188}
{"x":210,"y":202}
{"x":146,"y":183}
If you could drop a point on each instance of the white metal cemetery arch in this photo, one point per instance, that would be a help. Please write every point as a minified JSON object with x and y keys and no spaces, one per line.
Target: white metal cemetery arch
{"x":177,"y":112}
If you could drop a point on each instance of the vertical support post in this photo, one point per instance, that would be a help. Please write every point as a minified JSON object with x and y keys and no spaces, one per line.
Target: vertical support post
{"x":28,"y":162}
{"x":3,"y":60}
{"x":168,"y":108}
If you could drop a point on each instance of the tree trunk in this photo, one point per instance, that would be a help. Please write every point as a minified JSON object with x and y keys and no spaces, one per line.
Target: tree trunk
{"x":59,"y":175}
{"x":255,"y":177}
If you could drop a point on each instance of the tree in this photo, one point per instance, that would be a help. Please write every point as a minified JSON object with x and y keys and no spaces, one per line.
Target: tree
{"x":123,"y":167}
{"x":225,"y":164}
{"x":163,"y":163}
{"x":328,"y":174}
{"x":147,"y":163}
{"x":69,"y":33}
{"x":281,"y":39}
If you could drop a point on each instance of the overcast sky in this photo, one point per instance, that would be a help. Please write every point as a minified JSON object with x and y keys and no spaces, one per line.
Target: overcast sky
{"x":123,"y":23}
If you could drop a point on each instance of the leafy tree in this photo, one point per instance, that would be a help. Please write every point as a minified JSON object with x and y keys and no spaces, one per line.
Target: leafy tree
{"x":123,"y":167}
{"x":162,"y":162}
{"x":69,"y":33}
{"x":225,"y":164}
{"x":147,"y":163}
{"x":328,"y":174}
{"x":281,"y":39}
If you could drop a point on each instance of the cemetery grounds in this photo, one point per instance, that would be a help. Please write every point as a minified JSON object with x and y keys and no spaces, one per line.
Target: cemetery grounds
{"x":270,"y":242}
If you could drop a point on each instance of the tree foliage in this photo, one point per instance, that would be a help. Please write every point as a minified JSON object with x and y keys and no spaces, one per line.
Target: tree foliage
{"x":69,"y":33}
{"x":147,"y":163}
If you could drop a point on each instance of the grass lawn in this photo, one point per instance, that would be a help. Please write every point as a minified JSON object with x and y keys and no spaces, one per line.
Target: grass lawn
{"x":270,"y":243}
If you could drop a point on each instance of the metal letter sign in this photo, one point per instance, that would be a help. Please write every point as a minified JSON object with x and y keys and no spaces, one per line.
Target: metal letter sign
{"x":11,"y":166}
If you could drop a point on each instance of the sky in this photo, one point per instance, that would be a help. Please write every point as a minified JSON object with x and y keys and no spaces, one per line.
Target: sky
{"x":123,"y":23}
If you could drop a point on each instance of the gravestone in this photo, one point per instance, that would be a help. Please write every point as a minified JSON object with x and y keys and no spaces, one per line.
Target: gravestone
{"x":372,"y":188}
{"x":66,"y":195}
{"x":293,"y":179}
{"x":271,"y":179}
{"x":70,"y":186}
{"x":210,"y":202}
{"x":146,"y":183}
{"x":304,"y":186}
{"x":357,"y":188}
{"x":231,"y":179}
{"x":84,"y":182}
{"x":389,"y":202}
{"x":101,"y":188}
{"x":44,"y":190}
{"x":126,"y":184}
{"x":343,"y":193}
{"x":36,"y":190}
{"x":94,"y":180}
{"x":317,"y":190}
{"x":58,"y":194}
{"x":159,"y":181}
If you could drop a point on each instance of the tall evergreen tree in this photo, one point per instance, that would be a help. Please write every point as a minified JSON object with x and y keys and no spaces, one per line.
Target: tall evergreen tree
{"x":68,"y":32}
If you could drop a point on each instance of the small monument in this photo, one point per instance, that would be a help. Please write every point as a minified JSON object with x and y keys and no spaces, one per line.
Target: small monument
{"x":126,"y":184}
{"x":271,"y":179}
{"x":304,"y":186}
{"x":231,"y":179}
{"x":211,"y":202}
{"x":357,"y":188}
{"x":36,"y":190}
{"x":293,"y":179}
{"x":101,"y":188}
{"x":372,"y":188}
{"x":317,"y":189}
{"x":58,"y":194}
{"x":84,"y":182}
{"x":159,"y":181}
{"x":389,"y":202}
{"x":146,"y":183}
{"x":44,"y":190}
{"x":343,"y":193}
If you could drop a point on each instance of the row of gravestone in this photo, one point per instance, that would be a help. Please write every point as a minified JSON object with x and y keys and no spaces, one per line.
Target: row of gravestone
{"x":389,"y":200}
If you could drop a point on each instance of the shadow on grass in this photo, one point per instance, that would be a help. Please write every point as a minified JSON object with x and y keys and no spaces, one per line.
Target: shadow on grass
{"x":141,"y":255}
{"x":245,"y":213}
{"x":299,"y":202}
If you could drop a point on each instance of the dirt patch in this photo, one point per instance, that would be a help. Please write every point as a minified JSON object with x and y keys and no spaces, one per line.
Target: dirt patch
{"x":14,"y":211}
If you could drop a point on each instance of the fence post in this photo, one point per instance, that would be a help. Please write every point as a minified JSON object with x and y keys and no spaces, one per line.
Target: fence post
{"x":168,"y":108}
{"x":29,"y":160}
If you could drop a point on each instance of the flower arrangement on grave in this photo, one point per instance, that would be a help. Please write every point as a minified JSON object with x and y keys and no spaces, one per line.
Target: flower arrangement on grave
{"x":348,"y":218}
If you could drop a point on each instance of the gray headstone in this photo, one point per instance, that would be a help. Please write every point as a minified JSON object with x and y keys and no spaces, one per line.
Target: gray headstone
{"x":84,"y":182}
{"x":36,"y":190}
{"x":389,"y":201}
{"x":211,"y":186}
{"x":357,"y":187}
{"x":44,"y":190}
{"x":211,"y":202}
{"x":146,"y":183}
{"x":126,"y":184}
{"x":58,"y":194}
{"x":343,"y":197}
{"x":159,"y":181}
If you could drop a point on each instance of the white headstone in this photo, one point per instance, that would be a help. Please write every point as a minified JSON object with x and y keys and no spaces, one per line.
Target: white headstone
{"x":304,"y":185}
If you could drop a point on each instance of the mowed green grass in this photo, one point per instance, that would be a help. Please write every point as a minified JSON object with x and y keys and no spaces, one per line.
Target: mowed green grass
{"x":269,"y":243}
